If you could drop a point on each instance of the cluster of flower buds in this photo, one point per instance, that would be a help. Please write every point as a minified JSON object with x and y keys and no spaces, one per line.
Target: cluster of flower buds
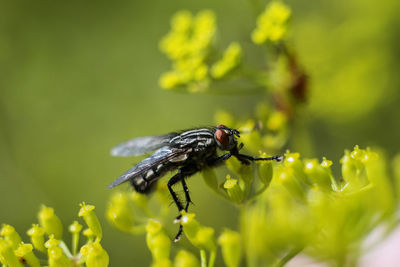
{"x":14,"y":252}
{"x":307,"y":207}
{"x":190,"y":47}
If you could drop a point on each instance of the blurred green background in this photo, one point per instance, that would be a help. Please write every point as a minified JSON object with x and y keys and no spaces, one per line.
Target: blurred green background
{"x":79,"y":77}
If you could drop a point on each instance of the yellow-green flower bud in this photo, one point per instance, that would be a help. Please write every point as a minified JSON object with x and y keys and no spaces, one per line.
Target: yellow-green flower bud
{"x":120,"y":213}
{"x":157,"y":241}
{"x":25,"y":251}
{"x":233,"y":189}
{"x":91,"y":219}
{"x":8,"y":233}
{"x":170,"y":80}
{"x":230,"y":243}
{"x":250,"y":137}
{"x":230,"y":60}
{"x":286,"y":178}
{"x":89,"y":235}
{"x":265,"y":170}
{"x":353,"y":170}
{"x":141,"y":201}
{"x":95,"y":255}
{"x":245,"y":172}
{"x":200,"y":236}
{"x":181,"y":21}
{"x":185,"y":259}
{"x":50,"y":222}
{"x":75,"y":228}
{"x":318,"y":175}
{"x":56,"y":256}
{"x":293,"y":161}
{"x":271,"y":24}
{"x":36,"y":234}
{"x":7,"y":254}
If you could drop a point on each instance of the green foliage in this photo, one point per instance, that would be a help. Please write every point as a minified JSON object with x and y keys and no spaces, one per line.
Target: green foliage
{"x":15,"y":253}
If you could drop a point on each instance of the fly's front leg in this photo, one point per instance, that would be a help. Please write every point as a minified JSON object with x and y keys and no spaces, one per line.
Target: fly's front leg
{"x":246,"y":158}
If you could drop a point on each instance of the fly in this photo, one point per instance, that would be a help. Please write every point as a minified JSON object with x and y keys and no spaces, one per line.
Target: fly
{"x":188,"y":152}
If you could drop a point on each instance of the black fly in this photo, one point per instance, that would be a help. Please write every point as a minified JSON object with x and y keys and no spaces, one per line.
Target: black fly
{"x":187,"y":151}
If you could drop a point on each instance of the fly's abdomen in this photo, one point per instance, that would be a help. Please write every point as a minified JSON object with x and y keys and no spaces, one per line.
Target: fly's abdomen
{"x":146,"y":181}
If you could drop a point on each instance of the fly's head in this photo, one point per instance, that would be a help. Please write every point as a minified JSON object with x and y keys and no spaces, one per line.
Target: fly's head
{"x":226,"y":137}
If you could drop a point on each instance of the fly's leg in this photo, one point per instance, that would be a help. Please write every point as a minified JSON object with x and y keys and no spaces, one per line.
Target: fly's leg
{"x":187,"y":196}
{"x":176,"y":178}
{"x":246,"y":158}
{"x":219,"y":160}
{"x":188,"y":201}
{"x":180,"y":176}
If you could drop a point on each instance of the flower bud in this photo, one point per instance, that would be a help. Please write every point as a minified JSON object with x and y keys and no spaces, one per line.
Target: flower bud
{"x":230,"y":59}
{"x":37,"y":237}
{"x":293,"y":161}
{"x":75,"y":228}
{"x":286,"y":178}
{"x":265,"y":170}
{"x":7,"y":255}
{"x":25,"y":251}
{"x":230,"y":243}
{"x":140,"y":200}
{"x":157,"y":241}
{"x":318,"y":175}
{"x":233,"y":189}
{"x":200,"y":236}
{"x":56,"y":256}
{"x":353,"y":170}
{"x":185,"y":259}
{"x":95,"y":255}
{"x":50,"y":222}
{"x":91,"y":219}
{"x":8,"y":233}
{"x":89,"y":235}
{"x":120,"y":213}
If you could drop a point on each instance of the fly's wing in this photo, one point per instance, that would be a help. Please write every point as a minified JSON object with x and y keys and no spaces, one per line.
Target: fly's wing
{"x":141,"y":145}
{"x":161,"y":161}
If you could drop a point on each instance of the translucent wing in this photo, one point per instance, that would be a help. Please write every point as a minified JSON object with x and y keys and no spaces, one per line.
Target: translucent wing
{"x":161,"y":161}
{"x":141,"y":145}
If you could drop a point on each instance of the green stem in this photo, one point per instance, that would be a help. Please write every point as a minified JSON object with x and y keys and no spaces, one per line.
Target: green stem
{"x":203,"y":258}
{"x":213,"y":255}
{"x":75,"y":243}
{"x":65,"y":249}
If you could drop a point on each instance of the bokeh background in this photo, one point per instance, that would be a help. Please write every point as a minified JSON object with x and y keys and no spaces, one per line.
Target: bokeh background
{"x":79,"y":77}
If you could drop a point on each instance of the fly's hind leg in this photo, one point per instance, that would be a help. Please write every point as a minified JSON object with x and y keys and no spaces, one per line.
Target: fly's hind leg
{"x":180,"y":176}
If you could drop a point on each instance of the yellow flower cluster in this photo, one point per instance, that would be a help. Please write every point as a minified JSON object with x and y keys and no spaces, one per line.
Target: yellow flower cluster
{"x":187,"y":45}
{"x":306,"y":206}
{"x":230,"y":59}
{"x":13,"y":252}
{"x":272,"y":23}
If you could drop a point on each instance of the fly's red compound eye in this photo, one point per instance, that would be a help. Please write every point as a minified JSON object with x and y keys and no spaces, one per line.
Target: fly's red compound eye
{"x":222,"y":137}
